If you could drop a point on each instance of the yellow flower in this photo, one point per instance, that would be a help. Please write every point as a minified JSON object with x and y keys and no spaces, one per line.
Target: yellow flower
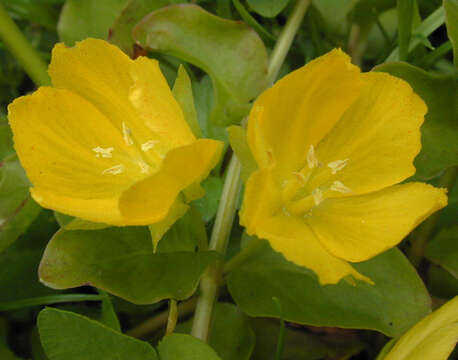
{"x":108,"y":142}
{"x":330,"y":144}
{"x":433,"y":338}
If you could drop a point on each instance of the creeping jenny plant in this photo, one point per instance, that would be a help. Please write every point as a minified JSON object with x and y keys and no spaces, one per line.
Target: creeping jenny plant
{"x":108,"y":142}
{"x":330,"y":144}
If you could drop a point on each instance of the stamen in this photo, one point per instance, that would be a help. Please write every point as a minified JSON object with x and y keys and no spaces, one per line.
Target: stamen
{"x":149,"y":145}
{"x":340,"y":187}
{"x":312,"y":161}
{"x":114,"y":170}
{"x":337,"y":165}
{"x":317,"y":196}
{"x":144,"y":167}
{"x":127,"y":134}
{"x":101,"y":152}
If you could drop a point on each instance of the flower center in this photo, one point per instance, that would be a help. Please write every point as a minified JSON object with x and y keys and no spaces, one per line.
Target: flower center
{"x":298,"y":198}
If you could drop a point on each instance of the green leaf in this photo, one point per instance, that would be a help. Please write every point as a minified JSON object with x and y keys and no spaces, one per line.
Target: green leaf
{"x":396,"y":301}
{"x":451,"y":21}
{"x":40,"y":12}
{"x":182,"y":91}
{"x":81,"y":19}
{"x":121,"y":31}
{"x":440,"y":129}
{"x":208,"y":205}
{"x":180,"y":237}
{"x":108,"y":315}
{"x":239,"y":143}
{"x":17,"y":209}
{"x":302,"y":345}
{"x":234,"y":56}
{"x":405,"y":10}
{"x":365,"y":12}
{"x":441,"y":283}
{"x":268,"y":8}
{"x":185,"y":347}
{"x":443,"y":250}
{"x":19,"y":262}
{"x":448,"y":214}
{"x":231,"y":335}
{"x":68,"y":222}
{"x":69,"y":336}
{"x":121,"y":261}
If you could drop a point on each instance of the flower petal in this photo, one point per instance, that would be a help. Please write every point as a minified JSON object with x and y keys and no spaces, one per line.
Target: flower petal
{"x":134,"y":95}
{"x":149,"y":200}
{"x":73,"y":155}
{"x":436,"y":335}
{"x":437,"y":346}
{"x":300,"y":109}
{"x":295,"y":240}
{"x":378,"y":137}
{"x":360,"y":227}
{"x":261,"y":199}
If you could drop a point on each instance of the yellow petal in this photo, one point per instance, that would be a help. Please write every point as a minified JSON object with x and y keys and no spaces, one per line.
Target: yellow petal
{"x":435,"y":335}
{"x":176,"y":211}
{"x":378,"y":138}
{"x":300,"y":109}
{"x":133,"y":94}
{"x":360,"y":227}
{"x":149,"y":200}
{"x":295,"y":240}
{"x":261,"y":199}
{"x":438,"y":345}
{"x":75,"y":158}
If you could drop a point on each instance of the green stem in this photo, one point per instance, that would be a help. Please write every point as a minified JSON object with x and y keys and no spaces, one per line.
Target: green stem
{"x":157,"y":322}
{"x":172,"y":317}
{"x":431,"y":58}
{"x":278,"y":55}
{"x":211,"y":280}
{"x":431,"y":23}
{"x":47,"y":300}
{"x":22,"y":50}
{"x":357,"y":43}
{"x":425,"y":231}
{"x":250,"y":20}
{"x":218,"y":242}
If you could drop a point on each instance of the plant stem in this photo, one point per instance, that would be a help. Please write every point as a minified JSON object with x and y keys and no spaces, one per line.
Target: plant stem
{"x":226,"y":211}
{"x":47,"y":300}
{"x":278,"y":55}
{"x":183,"y":309}
{"x":172,"y":317}
{"x":357,"y":43}
{"x":22,"y":50}
{"x":218,"y":242}
{"x":431,"y":23}
{"x":425,"y":231}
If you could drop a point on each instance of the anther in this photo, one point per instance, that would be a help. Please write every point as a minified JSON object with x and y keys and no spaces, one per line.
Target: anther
{"x":337,"y":165}
{"x":312,"y":161}
{"x":102,"y":152}
{"x":114,"y":170}
{"x":340,"y":187}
